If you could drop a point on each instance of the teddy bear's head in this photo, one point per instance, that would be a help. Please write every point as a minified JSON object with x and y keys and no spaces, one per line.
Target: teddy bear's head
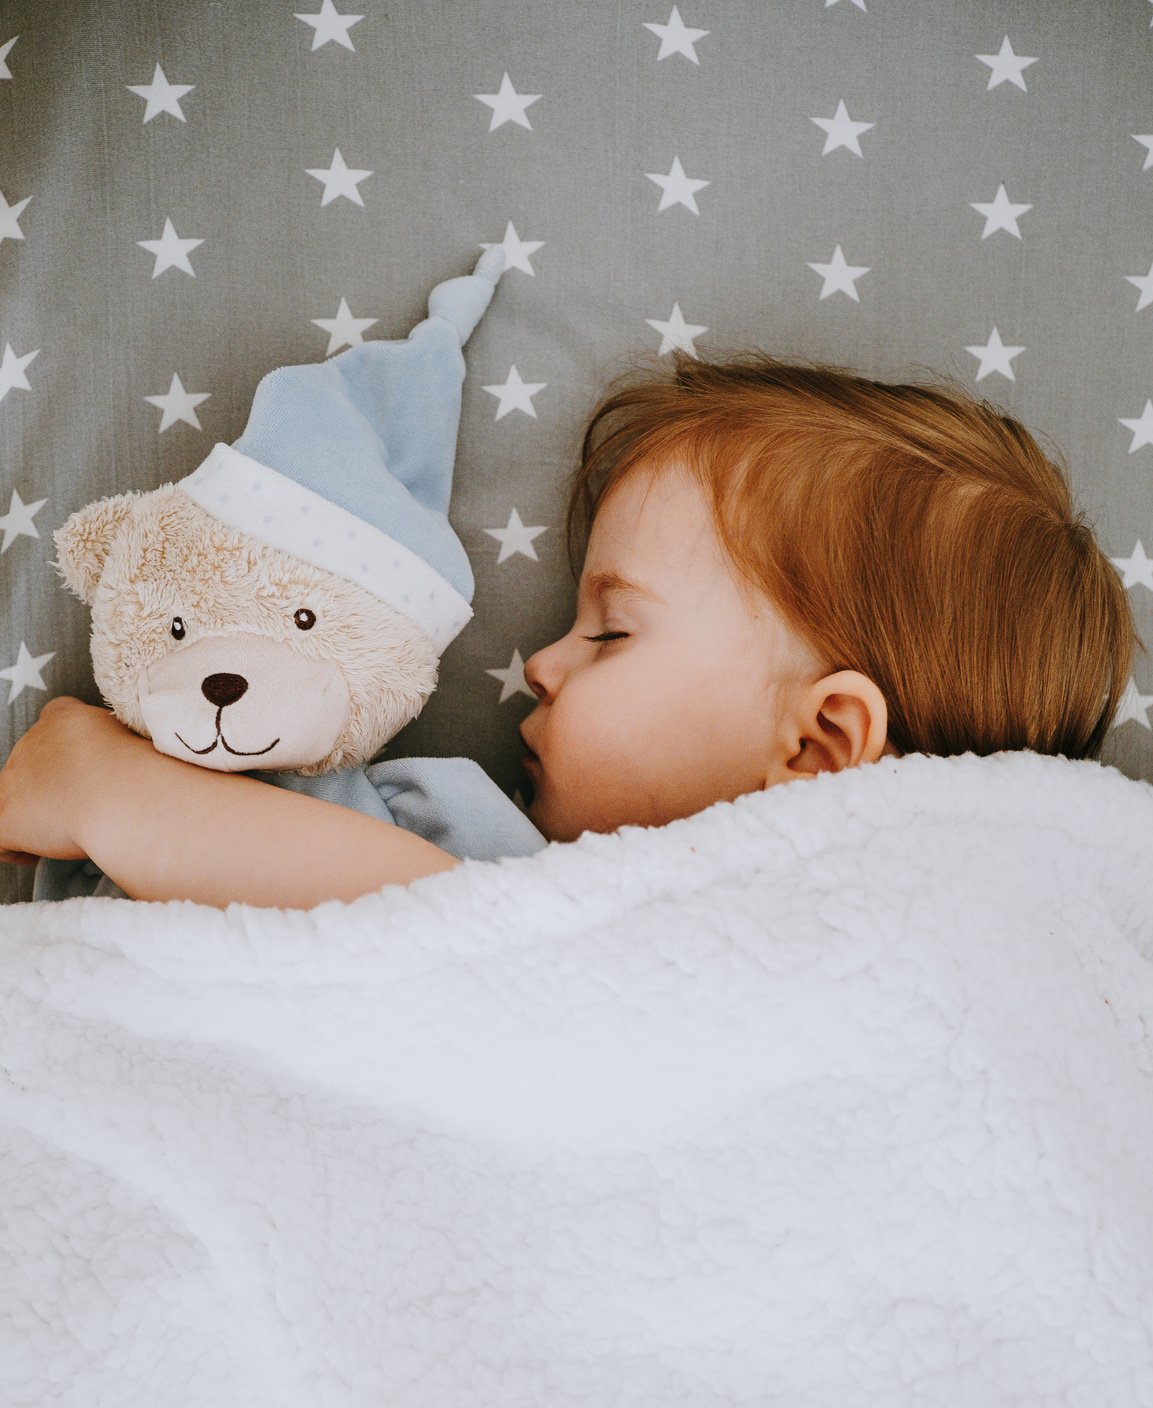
{"x":233,"y":654}
{"x":284,"y":607}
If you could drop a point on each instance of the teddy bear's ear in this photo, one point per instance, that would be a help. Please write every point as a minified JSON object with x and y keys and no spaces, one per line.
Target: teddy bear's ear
{"x":84,"y":539}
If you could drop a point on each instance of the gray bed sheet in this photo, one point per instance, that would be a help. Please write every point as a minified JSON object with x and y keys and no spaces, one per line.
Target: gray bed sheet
{"x":692,"y":176}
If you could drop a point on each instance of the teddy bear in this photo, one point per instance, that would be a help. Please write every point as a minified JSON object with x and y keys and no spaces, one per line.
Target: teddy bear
{"x":281,"y":611}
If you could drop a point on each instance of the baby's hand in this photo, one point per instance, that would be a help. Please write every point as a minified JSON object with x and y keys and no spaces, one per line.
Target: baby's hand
{"x":45,"y":784}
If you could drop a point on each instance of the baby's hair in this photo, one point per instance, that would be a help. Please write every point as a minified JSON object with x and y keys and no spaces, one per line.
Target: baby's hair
{"x":905,"y":531}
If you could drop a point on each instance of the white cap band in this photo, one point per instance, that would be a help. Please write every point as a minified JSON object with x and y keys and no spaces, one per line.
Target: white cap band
{"x":250,"y":497}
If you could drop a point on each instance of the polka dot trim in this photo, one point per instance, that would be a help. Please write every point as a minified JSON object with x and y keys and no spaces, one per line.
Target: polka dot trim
{"x":230,"y":485}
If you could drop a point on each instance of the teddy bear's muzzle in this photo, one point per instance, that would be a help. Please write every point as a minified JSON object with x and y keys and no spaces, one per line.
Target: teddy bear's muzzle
{"x":236,"y":702}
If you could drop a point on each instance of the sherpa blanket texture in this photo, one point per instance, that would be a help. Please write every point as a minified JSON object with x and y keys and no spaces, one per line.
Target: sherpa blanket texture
{"x":838,"y":1094}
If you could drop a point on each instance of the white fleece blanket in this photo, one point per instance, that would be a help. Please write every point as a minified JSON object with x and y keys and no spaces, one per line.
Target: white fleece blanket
{"x":837,"y":1095}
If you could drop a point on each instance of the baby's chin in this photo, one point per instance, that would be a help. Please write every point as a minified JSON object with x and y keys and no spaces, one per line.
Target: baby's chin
{"x":537,"y":813}
{"x":543,"y":818}
{"x":552,"y":818}
{"x":534,"y":809}
{"x":554,"y":827}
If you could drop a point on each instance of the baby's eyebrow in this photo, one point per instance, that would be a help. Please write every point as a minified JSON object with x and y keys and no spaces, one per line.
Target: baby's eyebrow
{"x":602,"y":584}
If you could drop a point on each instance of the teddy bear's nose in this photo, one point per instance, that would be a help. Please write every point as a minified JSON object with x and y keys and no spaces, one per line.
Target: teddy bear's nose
{"x":223,"y":689}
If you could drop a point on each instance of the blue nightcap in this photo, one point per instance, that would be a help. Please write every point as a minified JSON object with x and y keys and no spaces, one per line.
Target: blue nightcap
{"x":348,"y":463}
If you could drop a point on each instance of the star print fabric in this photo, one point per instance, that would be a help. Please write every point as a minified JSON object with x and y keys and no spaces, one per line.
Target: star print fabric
{"x":193,"y":194}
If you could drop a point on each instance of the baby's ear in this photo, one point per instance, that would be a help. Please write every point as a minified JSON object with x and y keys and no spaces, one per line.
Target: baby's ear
{"x":84,"y":539}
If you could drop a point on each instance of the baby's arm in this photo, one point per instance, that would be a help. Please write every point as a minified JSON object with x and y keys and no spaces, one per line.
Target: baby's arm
{"x":164,"y":830}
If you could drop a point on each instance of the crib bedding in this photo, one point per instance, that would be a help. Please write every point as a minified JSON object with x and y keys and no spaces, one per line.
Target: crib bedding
{"x":838,"y":1093}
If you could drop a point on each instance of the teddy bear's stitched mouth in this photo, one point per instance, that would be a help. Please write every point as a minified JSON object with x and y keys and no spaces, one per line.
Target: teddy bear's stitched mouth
{"x":236,"y":752}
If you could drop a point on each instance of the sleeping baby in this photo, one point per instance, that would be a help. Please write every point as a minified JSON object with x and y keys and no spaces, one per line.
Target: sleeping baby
{"x":789,"y":570}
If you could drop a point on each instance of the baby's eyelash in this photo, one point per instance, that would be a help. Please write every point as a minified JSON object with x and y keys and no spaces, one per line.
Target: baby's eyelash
{"x":606,"y":636}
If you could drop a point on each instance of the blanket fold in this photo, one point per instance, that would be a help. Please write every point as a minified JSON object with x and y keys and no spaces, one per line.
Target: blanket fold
{"x":841,"y":1093}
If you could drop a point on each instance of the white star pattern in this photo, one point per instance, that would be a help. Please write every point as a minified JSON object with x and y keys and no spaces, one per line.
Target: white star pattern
{"x":508,"y":105}
{"x":18,"y":520}
{"x":344,"y":330}
{"x":1136,"y":570}
{"x":1145,"y":283}
{"x":995,"y":357}
{"x":676,"y":187}
{"x":339,"y":180}
{"x":171,"y":251}
{"x":1000,"y":214}
{"x":516,"y":250}
{"x":515,"y":394}
{"x":12,"y":376}
{"x":512,"y":679}
{"x":9,"y":215}
{"x":676,"y":38}
{"x":675,"y":332}
{"x":161,"y":95}
{"x":840,"y":277}
{"x":515,"y":537}
{"x":25,"y":674}
{"x":178,"y":404}
{"x":1005,"y":66}
{"x":330,"y":27}
{"x":841,"y":131}
{"x":1133,"y":705}
{"x":1142,"y":427}
{"x":673,"y":37}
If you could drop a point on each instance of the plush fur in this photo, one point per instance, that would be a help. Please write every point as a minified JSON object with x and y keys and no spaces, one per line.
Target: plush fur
{"x":140,"y":560}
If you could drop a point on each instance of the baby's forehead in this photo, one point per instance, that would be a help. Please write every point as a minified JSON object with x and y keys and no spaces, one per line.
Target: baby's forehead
{"x":649,"y":526}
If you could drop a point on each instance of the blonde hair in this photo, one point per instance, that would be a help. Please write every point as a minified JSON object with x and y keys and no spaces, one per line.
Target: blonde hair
{"x":905,"y":531}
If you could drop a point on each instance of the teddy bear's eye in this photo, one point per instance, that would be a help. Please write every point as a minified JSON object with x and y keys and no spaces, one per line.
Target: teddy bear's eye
{"x":305,"y":619}
{"x":178,"y":628}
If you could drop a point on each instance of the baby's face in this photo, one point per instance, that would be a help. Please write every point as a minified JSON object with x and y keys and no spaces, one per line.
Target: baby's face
{"x":679,"y":710}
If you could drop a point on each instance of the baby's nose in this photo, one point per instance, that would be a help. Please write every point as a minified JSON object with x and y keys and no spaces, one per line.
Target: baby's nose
{"x":540,"y":672}
{"x":531,"y":676}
